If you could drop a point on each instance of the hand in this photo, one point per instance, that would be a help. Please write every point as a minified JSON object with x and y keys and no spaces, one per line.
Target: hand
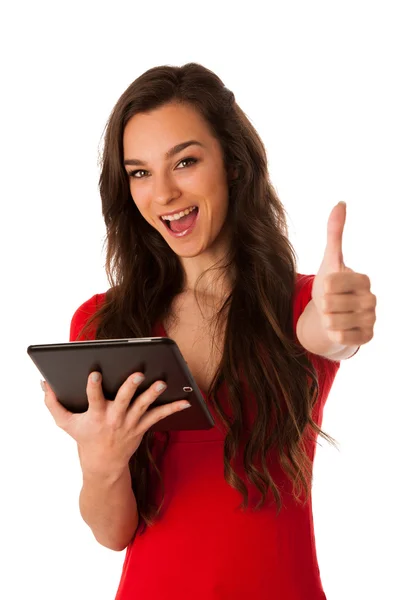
{"x":110,"y":431}
{"x":343,"y":297}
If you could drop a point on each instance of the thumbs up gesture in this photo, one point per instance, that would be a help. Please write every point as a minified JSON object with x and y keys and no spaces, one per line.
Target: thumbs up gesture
{"x":342,"y":297}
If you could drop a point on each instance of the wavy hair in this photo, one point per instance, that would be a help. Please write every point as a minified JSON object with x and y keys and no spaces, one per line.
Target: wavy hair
{"x":145,"y":275}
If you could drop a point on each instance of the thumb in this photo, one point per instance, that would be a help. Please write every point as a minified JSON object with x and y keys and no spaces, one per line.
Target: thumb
{"x":333,"y":257}
{"x":59,"y":413}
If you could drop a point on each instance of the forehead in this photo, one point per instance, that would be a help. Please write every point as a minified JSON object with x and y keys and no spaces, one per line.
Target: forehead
{"x":165,"y":127}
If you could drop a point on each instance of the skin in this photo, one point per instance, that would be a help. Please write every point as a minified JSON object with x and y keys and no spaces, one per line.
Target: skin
{"x":342,"y":313}
{"x":160,"y":184}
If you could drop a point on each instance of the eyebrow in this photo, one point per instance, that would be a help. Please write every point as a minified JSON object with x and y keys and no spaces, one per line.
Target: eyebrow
{"x":171,"y":152}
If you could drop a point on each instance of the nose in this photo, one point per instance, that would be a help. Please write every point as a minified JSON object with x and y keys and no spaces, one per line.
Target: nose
{"x":165,"y":189}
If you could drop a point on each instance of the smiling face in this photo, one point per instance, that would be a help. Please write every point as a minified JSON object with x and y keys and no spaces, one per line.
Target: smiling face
{"x":174,"y":163}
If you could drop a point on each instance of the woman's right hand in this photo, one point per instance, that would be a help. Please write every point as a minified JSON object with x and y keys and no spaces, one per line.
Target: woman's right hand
{"x":110,"y":431}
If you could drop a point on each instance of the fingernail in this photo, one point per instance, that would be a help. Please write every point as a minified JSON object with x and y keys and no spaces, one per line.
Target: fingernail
{"x":138,"y":378}
{"x":160,"y":387}
{"x":186,"y":405}
{"x":95,"y":377}
{"x":43,"y":385}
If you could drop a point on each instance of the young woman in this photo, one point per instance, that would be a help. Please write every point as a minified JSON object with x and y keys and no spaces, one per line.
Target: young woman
{"x":197,"y":250}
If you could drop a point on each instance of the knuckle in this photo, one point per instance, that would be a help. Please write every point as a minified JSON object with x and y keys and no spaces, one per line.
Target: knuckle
{"x":364,"y":303}
{"x":326,"y":304}
{"x":162,"y":412}
{"x":142,"y":403}
{"x":368,"y":303}
{"x":114,"y":424}
{"x":171,"y":408}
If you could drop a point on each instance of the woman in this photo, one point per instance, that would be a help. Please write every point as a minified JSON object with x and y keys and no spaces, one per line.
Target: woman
{"x":197,"y":250}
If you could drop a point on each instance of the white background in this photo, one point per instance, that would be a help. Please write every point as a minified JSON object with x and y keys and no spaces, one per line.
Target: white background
{"x":320,"y":81}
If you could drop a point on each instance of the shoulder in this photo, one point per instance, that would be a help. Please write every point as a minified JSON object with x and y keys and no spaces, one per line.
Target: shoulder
{"x":83,"y":313}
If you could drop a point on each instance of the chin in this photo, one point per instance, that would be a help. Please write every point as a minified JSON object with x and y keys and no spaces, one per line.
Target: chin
{"x":188,"y":252}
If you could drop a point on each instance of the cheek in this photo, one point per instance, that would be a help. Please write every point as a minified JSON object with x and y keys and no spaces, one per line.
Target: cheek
{"x":221,"y":199}
{"x":140,"y":199}
{"x":215,"y":187}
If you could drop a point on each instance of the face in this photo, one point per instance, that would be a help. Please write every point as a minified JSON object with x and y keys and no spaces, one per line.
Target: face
{"x":175,"y":164}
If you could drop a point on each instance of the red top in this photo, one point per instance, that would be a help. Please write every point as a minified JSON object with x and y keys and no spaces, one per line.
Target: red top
{"x":204,"y":547}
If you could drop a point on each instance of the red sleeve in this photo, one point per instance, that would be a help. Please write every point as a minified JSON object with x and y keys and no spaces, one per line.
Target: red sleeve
{"x":80,"y":317}
{"x":302,"y":297}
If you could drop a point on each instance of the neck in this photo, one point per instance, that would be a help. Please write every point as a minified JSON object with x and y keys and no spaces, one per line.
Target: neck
{"x":207,"y":277}
{"x":207,"y":273}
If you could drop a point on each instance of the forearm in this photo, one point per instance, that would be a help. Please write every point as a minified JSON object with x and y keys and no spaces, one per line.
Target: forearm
{"x":108,"y":506}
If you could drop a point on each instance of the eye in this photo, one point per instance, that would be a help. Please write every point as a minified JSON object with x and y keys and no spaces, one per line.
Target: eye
{"x":134,"y":173}
{"x":189,"y":160}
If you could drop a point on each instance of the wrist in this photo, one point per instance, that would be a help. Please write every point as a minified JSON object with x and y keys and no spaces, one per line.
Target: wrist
{"x":101,"y":470}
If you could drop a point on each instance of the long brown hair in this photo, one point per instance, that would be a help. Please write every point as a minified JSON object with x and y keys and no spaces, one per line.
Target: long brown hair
{"x":145,"y":275}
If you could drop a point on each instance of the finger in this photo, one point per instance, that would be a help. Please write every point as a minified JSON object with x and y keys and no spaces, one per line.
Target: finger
{"x":348,"y":321}
{"x":340,"y":303}
{"x":142,"y":402}
{"x":333,"y":250}
{"x":155,"y":415}
{"x":353,"y":337}
{"x":59,"y":413}
{"x":125,"y":394}
{"x":94,"y":391}
{"x":344,"y":283}
{"x":336,"y":303}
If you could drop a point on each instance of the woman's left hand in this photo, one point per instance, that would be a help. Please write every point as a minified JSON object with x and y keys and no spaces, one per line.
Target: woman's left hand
{"x":343,"y":298}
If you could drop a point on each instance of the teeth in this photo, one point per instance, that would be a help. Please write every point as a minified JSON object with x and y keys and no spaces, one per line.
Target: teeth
{"x":179,"y":215}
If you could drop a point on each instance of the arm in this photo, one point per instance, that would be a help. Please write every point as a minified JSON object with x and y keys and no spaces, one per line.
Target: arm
{"x":312,"y":336}
{"x":107,"y":503}
{"x":108,"y":506}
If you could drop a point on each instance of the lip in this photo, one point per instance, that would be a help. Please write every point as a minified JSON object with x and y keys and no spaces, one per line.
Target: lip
{"x":182,"y":233}
{"x":173,"y":212}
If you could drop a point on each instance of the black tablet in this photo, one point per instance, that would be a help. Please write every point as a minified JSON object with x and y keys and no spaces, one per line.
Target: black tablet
{"x":66,"y":367}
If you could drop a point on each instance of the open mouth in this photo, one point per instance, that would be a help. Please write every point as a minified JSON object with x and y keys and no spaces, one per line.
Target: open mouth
{"x":184,"y":224}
